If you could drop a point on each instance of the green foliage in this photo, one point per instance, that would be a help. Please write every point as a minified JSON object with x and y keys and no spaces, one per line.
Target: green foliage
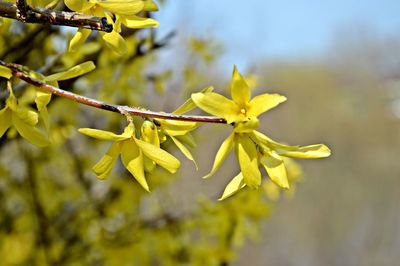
{"x":52,"y":209}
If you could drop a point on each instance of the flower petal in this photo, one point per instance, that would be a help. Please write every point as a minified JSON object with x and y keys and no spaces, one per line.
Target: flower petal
{"x":275,"y":168}
{"x":159,"y":156}
{"x":304,"y":152}
{"x":107,"y":135}
{"x":236,"y":184}
{"x":222,"y":153}
{"x":246,"y":126}
{"x":5,"y":72}
{"x":123,"y":8}
{"x":5,"y":120}
{"x":42,"y":100}
{"x":149,"y":133}
{"x":248,"y":160}
{"x":218,"y":105}
{"x":30,"y":133}
{"x":27,"y":116}
{"x":189,"y":105}
{"x":307,"y":152}
{"x":78,"y":39}
{"x":263,"y":103}
{"x":177,"y":128}
{"x":115,"y":42}
{"x":132,"y":158}
{"x":135,"y":22}
{"x":240,"y":91}
{"x":184,"y":150}
{"x":78,"y":5}
{"x":103,"y":168}
{"x":73,"y":72}
{"x":150,"y":5}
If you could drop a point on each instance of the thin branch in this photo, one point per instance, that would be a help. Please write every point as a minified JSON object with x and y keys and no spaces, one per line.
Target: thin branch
{"x":17,"y":71}
{"x":27,"y":14}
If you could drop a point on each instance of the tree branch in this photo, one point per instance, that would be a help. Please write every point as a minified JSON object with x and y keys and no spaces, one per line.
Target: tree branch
{"x":17,"y":71}
{"x":27,"y":14}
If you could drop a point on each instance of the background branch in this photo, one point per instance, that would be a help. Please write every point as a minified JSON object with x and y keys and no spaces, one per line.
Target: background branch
{"x":27,"y":14}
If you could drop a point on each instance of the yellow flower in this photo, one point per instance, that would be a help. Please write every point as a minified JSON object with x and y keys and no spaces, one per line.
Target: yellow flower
{"x":241,"y":110}
{"x":269,"y":154}
{"x":23,"y":120}
{"x":253,"y":149}
{"x":133,"y":152}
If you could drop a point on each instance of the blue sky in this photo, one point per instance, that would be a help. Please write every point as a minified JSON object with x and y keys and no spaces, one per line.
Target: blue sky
{"x":277,"y":29}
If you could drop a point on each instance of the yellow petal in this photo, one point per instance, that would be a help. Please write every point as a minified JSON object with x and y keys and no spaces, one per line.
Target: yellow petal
{"x":132,"y":158}
{"x":27,"y":116}
{"x":304,"y":152}
{"x":150,"y":5}
{"x":135,"y":22}
{"x":73,"y":72}
{"x":236,"y":184}
{"x":115,"y":42}
{"x":271,"y":144}
{"x":103,"y":168}
{"x":189,"y":105}
{"x":222,"y":153}
{"x":12,"y":102}
{"x":149,"y":165}
{"x":159,"y":156}
{"x":5,"y":120}
{"x":218,"y":105}
{"x":177,"y":128}
{"x":5,"y":72}
{"x":30,"y":133}
{"x":248,"y":160}
{"x":246,"y":126}
{"x":275,"y":168}
{"x":78,"y":5}
{"x":263,"y":103}
{"x":123,"y":8}
{"x":150,"y":133}
{"x":187,"y":139}
{"x":42,"y":100}
{"x":184,"y":150}
{"x":240,"y":91}
{"x":307,"y":152}
{"x":107,"y":135}
{"x":78,"y":39}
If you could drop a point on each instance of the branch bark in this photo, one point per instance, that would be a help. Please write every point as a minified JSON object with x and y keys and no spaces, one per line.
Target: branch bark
{"x":27,"y":14}
{"x":124,"y":110}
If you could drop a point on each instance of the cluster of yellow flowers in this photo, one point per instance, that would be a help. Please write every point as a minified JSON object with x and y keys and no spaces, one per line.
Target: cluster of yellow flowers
{"x":117,"y":12}
{"x":252,"y":148}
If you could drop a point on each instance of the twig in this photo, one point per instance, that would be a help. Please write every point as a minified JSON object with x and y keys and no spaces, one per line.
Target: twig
{"x":17,"y":71}
{"x":27,"y":14}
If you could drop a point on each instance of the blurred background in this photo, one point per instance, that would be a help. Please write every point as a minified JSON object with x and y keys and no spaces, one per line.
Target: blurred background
{"x":338,"y":62}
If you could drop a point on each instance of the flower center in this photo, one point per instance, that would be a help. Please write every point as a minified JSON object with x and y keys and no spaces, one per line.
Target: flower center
{"x":243,"y":111}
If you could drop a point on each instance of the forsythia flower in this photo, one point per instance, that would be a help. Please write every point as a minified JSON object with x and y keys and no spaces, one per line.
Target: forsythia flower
{"x":125,"y":13}
{"x":23,"y":120}
{"x":252,"y":148}
{"x":241,"y":109}
{"x":133,"y":152}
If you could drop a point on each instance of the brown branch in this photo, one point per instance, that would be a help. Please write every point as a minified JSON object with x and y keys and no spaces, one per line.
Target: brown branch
{"x":27,"y":14}
{"x":17,"y":71}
